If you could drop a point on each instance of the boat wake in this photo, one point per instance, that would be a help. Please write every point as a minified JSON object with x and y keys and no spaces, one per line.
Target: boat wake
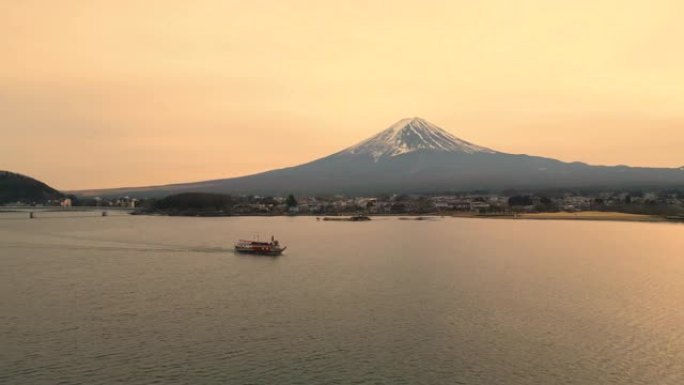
{"x":120,"y":247}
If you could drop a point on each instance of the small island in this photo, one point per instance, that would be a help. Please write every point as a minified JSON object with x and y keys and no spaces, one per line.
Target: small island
{"x":355,"y":218}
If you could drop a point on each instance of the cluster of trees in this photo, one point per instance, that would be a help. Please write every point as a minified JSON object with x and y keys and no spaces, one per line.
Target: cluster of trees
{"x":520,"y":200}
{"x":203,"y":204}
{"x":628,"y":203}
{"x":541,"y":203}
{"x":192,"y":204}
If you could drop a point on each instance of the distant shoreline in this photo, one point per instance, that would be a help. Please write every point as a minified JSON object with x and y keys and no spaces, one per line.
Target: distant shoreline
{"x":580,"y":215}
{"x":585,"y":216}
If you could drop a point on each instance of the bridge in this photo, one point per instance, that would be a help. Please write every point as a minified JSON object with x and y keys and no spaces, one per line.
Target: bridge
{"x":64,"y":209}
{"x":45,"y":211}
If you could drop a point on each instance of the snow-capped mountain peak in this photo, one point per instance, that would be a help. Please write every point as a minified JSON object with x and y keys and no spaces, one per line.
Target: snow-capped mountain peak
{"x":413,"y":134}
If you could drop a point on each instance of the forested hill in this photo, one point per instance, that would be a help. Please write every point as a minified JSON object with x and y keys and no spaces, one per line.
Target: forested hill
{"x":21,"y":188}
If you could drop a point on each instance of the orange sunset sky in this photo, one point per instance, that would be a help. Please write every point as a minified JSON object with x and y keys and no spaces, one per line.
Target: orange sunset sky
{"x":97,"y":94}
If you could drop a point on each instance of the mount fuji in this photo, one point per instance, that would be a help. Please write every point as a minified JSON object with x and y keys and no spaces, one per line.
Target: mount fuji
{"x":414,"y":155}
{"x":410,"y":135}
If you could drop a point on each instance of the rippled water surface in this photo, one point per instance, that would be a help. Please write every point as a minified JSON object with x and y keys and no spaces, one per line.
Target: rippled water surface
{"x":140,"y":300}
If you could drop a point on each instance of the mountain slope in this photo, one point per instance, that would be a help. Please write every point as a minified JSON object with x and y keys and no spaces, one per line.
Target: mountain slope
{"x":20,"y":188}
{"x":414,"y":155}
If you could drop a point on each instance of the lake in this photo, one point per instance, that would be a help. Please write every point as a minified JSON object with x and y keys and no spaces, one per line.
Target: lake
{"x":86,"y":299}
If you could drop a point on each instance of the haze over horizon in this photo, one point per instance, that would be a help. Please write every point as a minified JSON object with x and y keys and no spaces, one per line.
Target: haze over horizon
{"x":100,"y":95}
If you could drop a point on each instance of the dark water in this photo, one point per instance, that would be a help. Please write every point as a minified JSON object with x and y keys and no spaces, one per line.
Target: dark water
{"x":142,"y":300}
